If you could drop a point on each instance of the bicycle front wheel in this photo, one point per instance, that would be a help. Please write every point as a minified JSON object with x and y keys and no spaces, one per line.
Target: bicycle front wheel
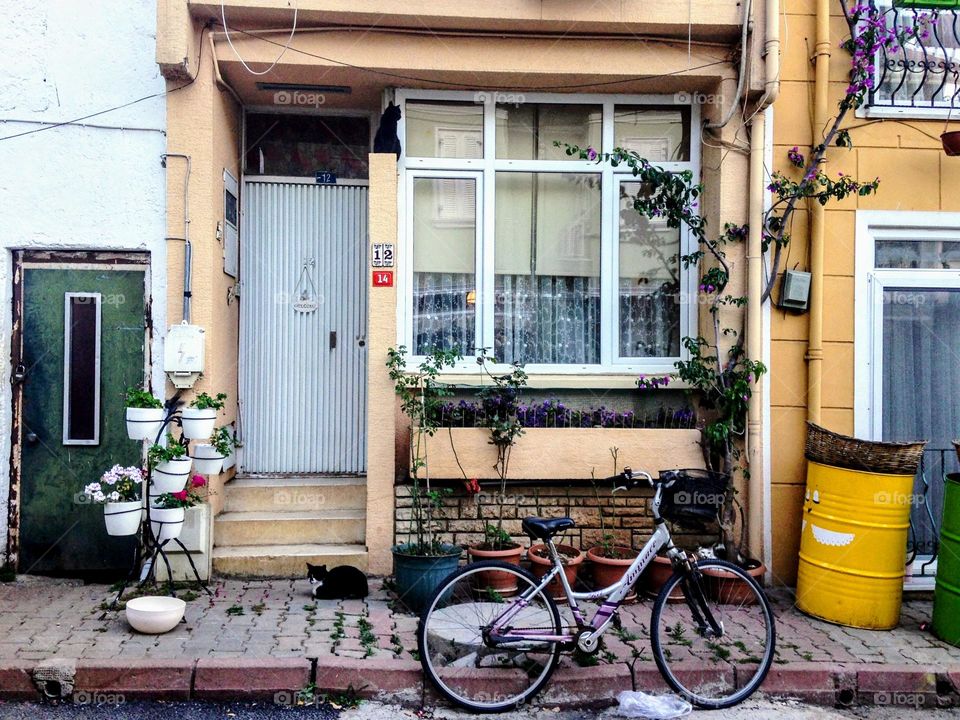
{"x":716,"y":645}
{"x":464,"y":662}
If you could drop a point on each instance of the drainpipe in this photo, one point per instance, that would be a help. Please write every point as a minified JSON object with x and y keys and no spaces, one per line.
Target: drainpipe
{"x":187,"y":248}
{"x":758,"y":505}
{"x":821,"y":116}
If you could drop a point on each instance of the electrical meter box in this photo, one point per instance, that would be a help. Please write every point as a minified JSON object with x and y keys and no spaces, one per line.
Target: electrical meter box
{"x":795,"y":291}
{"x":183,"y":355}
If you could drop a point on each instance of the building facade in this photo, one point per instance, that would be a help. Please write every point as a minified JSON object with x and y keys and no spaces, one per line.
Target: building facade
{"x":83,"y":266}
{"x":883,"y":338}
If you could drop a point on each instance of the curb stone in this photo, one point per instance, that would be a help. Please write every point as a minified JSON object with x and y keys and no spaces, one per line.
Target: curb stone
{"x":136,"y":679}
{"x":276,"y":679}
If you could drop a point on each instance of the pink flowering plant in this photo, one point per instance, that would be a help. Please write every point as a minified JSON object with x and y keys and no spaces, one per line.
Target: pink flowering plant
{"x":194,"y":494}
{"x":118,"y":484}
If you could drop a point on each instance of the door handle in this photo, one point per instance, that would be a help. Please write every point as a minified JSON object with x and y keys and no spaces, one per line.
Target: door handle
{"x":32,"y":438}
{"x":333,"y":339}
{"x":19,"y":374}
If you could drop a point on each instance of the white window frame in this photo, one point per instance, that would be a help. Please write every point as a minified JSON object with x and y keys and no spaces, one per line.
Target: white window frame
{"x":67,"y":351}
{"x":485,"y":168}
{"x":869,"y":285}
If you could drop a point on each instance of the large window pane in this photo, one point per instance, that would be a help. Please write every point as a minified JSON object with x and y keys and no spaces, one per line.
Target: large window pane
{"x":921,"y":389}
{"x":300,"y":145}
{"x":444,"y":130}
{"x":919,"y":254}
{"x":444,"y":265}
{"x":528,"y":131}
{"x":547,"y":258}
{"x":659,"y":134}
{"x":649,"y":260}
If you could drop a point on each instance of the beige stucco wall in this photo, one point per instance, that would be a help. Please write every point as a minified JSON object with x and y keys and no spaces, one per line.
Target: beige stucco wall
{"x":203,"y":122}
{"x":914,"y":175}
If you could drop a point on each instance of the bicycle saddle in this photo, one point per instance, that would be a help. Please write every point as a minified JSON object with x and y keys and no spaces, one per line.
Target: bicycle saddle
{"x":545,"y":528}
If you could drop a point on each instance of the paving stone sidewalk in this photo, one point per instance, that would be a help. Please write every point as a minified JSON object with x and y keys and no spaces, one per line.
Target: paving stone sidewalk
{"x":277,"y":620}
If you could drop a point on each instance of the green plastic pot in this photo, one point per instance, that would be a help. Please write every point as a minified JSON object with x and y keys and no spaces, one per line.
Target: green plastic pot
{"x":417,"y":577}
{"x":928,"y":4}
{"x":946,"y":596}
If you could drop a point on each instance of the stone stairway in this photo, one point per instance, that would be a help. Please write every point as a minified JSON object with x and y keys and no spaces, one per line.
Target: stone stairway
{"x":272,"y":526}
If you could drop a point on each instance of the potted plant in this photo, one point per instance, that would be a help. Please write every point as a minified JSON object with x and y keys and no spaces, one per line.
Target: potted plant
{"x":421,"y":563}
{"x":168,"y":509}
{"x":499,"y":403}
{"x":540,"y":563}
{"x":119,"y":492}
{"x":609,"y":559}
{"x":200,"y":416}
{"x":208,"y":457}
{"x":145,"y":414}
{"x":169,"y":466}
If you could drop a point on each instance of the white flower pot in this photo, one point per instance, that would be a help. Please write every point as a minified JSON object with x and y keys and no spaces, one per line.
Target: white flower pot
{"x":166,"y":523}
{"x":171,"y":476}
{"x":122,"y":518}
{"x":198,"y":424}
{"x":206,"y":459}
{"x":144,"y":423}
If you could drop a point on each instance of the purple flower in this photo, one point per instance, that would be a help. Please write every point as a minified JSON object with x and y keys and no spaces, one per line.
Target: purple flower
{"x":591,"y":154}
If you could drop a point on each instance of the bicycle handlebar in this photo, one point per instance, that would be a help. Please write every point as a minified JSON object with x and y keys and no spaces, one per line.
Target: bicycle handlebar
{"x":631,"y":479}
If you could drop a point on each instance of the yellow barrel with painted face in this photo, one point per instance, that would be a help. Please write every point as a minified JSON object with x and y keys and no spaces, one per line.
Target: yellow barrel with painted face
{"x":853,"y":546}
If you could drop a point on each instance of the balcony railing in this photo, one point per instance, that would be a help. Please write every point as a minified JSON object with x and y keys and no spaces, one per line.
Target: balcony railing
{"x":923,"y":71}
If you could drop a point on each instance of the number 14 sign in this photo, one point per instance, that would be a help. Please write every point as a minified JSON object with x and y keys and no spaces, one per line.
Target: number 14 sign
{"x":383,"y":278}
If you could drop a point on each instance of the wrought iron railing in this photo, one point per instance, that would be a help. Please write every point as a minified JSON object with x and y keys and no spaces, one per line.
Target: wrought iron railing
{"x":923,"y":71}
{"x":927,"y":511}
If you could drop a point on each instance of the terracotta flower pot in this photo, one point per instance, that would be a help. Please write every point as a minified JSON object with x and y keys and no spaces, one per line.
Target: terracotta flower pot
{"x":540,"y":564}
{"x":607,"y":571}
{"x":728,"y":588}
{"x":656,"y":576}
{"x":951,"y":142}
{"x":500,"y":582}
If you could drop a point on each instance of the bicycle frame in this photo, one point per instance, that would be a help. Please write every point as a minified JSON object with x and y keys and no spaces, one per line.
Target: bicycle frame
{"x":612,"y":595}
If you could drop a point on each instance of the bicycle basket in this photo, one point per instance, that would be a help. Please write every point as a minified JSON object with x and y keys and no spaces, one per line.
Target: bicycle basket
{"x":692,"y":498}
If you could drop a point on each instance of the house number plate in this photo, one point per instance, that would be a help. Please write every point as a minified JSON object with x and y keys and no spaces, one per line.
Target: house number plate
{"x":382,"y":255}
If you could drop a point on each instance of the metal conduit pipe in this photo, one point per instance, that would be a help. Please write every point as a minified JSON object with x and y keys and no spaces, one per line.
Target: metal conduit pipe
{"x":187,"y":248}
{"x":758,"y":506}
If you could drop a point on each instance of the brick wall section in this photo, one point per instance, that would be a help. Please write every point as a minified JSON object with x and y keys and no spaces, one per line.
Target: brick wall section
{"x":463,"y":516}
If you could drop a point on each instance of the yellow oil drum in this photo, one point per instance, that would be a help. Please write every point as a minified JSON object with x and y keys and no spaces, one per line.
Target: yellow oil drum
{"x":853,"y":546}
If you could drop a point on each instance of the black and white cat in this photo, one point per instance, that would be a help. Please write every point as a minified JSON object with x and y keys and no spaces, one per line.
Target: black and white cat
{"x":340,"y":583}
{"x":386,"y":140}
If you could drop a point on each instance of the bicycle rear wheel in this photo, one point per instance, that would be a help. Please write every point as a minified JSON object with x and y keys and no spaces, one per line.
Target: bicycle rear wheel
{"x":460,"y":658}
{"x":715,"y":646}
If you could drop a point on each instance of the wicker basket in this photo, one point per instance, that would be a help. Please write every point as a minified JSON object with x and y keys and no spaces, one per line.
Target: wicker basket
{"x":830,"y":448}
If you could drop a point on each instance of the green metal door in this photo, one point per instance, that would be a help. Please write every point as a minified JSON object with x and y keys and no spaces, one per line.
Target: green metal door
{"x":83,"y":343}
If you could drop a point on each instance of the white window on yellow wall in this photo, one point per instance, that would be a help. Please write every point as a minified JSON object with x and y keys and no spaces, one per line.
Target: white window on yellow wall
{"x":532,"y":254}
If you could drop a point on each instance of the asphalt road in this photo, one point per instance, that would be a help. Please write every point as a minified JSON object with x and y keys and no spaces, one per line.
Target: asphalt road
{"x":107,"y":710}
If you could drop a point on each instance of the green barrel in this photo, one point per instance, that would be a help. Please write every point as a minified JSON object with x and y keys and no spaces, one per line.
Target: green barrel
{"x":946,"y":597}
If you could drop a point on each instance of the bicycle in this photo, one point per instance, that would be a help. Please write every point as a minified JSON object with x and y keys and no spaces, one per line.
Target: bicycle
{"x":491,"y":653}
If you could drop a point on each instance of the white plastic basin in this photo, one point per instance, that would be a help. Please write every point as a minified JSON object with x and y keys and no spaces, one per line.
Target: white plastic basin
{"x":155,"y":614}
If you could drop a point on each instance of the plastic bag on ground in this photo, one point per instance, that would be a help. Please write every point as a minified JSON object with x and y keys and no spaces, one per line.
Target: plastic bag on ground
{"x":654,"y":707}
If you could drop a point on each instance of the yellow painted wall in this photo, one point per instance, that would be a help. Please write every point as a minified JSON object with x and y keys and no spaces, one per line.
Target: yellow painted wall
{"x":204,"y":123}
{"x":914,"y":175}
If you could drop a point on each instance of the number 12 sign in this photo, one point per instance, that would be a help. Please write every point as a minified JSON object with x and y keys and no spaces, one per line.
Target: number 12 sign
{"x":383,"y":278}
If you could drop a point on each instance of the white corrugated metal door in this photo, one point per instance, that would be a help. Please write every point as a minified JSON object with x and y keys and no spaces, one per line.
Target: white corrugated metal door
{"x":303,"y":313}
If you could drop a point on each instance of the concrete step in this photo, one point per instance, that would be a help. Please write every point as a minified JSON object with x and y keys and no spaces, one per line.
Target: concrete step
{"x":334,"y":527}
{"x":284,"y":561}
{"x":294,"y":494}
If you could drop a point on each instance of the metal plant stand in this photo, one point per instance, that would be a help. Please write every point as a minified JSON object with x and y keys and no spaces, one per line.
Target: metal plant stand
{"x":148,"y":546}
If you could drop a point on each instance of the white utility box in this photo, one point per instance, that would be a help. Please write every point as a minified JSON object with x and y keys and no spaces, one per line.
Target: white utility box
{"x":183,"y":355}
